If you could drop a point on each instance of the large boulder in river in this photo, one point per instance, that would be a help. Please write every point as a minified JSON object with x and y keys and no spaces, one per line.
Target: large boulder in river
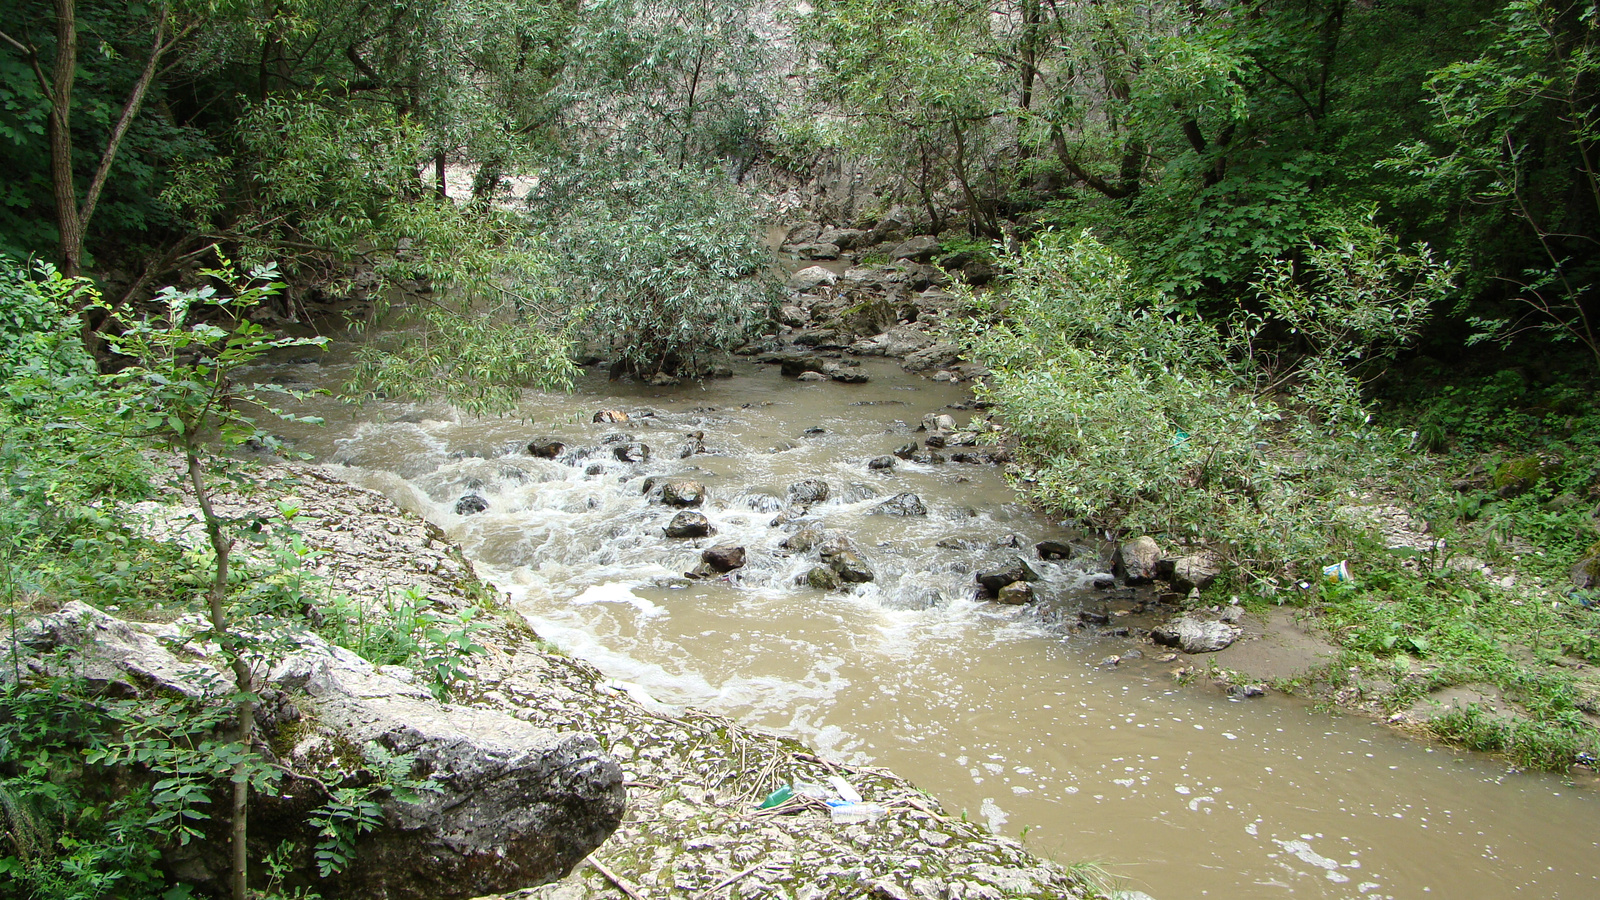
{"x":843,"y":238}
{"x":632,"y":451}
{"x":723,"y":557}
{"x":471,"y":504}
{"x":918,"y":249}
{"x":841,"y":556}
{"x":897,"y":342}
{"x":545,"y":448}
{"x":1194,"y":635}
{"x":1012,"y":571}
{"x":689,"y":525}
{"x":1138,"y":560}
{"x":516,"y":805}
{"x":1016,"y":593}
{"x":928,"y":359}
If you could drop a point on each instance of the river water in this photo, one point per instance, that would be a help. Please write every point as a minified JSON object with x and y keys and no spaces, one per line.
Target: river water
{"x":999,"y":713}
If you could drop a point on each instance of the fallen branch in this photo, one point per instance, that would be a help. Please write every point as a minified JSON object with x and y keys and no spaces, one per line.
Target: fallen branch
{"x":622,"y":883}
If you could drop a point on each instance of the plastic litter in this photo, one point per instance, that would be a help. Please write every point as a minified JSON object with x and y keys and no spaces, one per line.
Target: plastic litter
{"x":1339,"y":571}
{"x":845,"y":791}
{"x":778,"y":796}
{"x":812,"y":789}
{"x":855,"y":813}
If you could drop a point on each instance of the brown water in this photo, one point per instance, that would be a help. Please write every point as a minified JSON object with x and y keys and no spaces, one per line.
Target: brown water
{"x":989,"y":708}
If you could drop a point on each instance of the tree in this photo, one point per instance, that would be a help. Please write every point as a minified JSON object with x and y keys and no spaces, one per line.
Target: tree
{"x":1518,"y":143}
{"x":180,"y":389}
{"x":662,"y":265}
{"x":166,"y":27}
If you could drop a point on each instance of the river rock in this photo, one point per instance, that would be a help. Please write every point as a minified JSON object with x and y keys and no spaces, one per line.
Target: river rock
{"x":689,"y":525}
{"x":610,"y":415}
{"x":1016,"y":593}
{"x":663,"y":379}
{"x":822,"y":578}
{"x":1197,"y":571}
{"x":696,"y":443}
{"x":841,"y":556}
{"x":817,"y":250}
{"x":907,"y":451}
{"x":794,"y":365}
{"x":929,"y":359}
{"x":898,"y":341}
{"x":802,"y":233}
{"x":811,"y":278}
{"x":1194,"y":635}
{"x":723,"y":557}
{"x":516,"y":805}
{"x":1137,"y":561}
{"x":803,"y":540}
{"x":471,"y":504}
{"x":793,"y":316}
{"x":1014,"y":570}
{"x":917,"y":249}
{"x":844,"y":374}
{"x":633,"y":451}
{"x":1053,"y":549}
{"x":881,"y":463}
{"x":545,"y":448}
{"x":683,"y":493}
{"x":905,"y":504}
{"x":843,"y":238}
{"x":927,"y":458}
{"x":809,"y":491}
{"x":939,"y":422}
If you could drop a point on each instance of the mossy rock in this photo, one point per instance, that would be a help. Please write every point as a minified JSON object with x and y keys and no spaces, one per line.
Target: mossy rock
{"x":1517,"y":476}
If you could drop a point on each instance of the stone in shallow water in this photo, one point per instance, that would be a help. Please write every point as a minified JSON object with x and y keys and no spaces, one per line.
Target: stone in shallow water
{"x":1192,"y":635}
{"x":683,"y":493}
{"x":689,"y":525}
{"x":906,"y":504}
{"x":471,"y":504}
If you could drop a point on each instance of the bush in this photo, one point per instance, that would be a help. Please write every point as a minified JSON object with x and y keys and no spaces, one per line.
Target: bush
{"x":1130,"y":416}
{"x":663,"y":265}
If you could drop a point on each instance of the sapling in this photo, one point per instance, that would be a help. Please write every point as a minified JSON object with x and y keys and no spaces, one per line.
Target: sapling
{"x":180,"y":389}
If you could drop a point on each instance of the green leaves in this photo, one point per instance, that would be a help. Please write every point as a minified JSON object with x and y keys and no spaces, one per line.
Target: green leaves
{"x":1131,"y":415}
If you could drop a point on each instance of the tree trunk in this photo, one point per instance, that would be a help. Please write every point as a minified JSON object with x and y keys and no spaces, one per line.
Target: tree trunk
{"x":70,"y":227}
{"x":244,"y":681}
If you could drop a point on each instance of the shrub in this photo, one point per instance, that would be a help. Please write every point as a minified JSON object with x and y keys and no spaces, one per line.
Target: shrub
{"x":662,"y":264}
{"x":1131,"y":416}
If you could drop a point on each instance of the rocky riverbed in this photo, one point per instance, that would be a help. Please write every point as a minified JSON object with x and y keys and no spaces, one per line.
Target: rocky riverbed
{"x":712,"y":808}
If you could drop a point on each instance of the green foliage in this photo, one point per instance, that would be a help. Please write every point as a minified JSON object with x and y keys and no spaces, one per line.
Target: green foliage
{"x":1131,"y":416}
{"x":1448,"y":629}
{"x":353,"y":806}
{"x":408,"y":631}
{"x":662,"y":265}
{"x":693,"y":83}
{"x":479,"y":356}
{"x":1516,"y":129}
{"x":92,"y":790}
{"x":334,"y":192}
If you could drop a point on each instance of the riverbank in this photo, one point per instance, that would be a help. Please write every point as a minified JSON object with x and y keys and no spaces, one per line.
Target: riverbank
{"x":1454,"y":619}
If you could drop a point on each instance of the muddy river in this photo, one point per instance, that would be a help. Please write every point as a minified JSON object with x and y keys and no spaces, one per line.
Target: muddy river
{"x":998,"y":711}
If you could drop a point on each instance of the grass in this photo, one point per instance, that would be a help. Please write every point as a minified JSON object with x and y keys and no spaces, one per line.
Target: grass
{"x":1511,"y":475}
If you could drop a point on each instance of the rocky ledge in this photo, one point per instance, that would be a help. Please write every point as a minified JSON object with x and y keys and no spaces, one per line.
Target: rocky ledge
{"x":536,"y":750}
